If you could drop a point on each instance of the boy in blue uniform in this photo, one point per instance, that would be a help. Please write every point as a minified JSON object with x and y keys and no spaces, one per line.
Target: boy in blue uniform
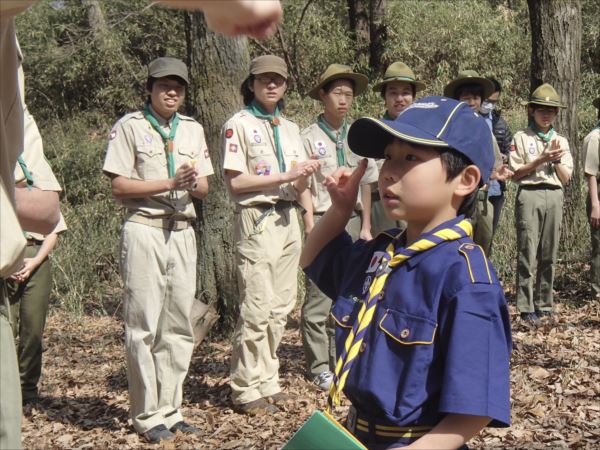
{"x":424,"y":358}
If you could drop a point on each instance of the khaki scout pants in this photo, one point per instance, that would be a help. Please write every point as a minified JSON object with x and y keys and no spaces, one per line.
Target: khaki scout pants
{"x":317,"y":328}
{"x":538,"y":218}
{"x":29,"y":306}
{"x":595,"y":262}
{"x":159,"y":276}
{"x":483,"y":220}
{"x":10,"y":387}
{"x":267,"y":258}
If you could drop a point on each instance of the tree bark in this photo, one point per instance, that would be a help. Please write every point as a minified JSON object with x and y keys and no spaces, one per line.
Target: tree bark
{"x":555,"y":59}
{"x":378,"y":35}
{"x":358,"y":15}
{"x":218,"y":65}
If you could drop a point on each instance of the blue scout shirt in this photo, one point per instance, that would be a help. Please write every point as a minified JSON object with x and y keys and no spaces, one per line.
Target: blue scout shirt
{"x":440,"y":340}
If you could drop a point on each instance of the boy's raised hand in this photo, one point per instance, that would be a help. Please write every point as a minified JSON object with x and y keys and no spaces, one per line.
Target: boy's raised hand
{"x":343,"y":185}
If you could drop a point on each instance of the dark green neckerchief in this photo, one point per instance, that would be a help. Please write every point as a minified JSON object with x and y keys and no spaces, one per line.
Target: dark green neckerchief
{"x":26,"y":172}
{"x":337,"y":138}
{"x":546,"y":137}
{"x":386,"y":116}
{"x":255,"y":109}
{"x":598,"y":125}
{"x":167,"y":140}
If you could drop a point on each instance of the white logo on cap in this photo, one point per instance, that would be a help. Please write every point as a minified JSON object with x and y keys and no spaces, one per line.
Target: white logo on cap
{"x":424,"y":105}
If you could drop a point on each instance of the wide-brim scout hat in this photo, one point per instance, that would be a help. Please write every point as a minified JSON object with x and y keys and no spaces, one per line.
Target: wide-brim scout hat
{"x":431,"y":121}
{"x":340,"y":72}
{"x":596,"y":102}
{"x":544,"y":95}
{"x":466,"y":77}
{"x":269,"y":64}
{"x":166,"y":67}
{"x":399,"y":71}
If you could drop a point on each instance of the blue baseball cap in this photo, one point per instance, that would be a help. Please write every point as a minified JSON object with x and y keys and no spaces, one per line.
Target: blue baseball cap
{"x":431,"y":121}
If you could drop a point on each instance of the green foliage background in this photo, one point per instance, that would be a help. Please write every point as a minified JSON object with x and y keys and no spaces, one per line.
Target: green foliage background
{"x":80,"y":80}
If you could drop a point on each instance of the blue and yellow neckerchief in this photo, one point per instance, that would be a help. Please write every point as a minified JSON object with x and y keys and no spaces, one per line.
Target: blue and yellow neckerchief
{"x":395,"y":258}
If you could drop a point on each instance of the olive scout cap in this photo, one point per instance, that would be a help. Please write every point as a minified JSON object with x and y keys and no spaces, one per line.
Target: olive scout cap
{"x":431,"y":121}
{"x":466,"y":77}
{"x":166,"y":67}
{"x":596,"y":102}
{"x":267,"y":64}
{"x":399,"y":71}
{"x":544,"y":95}
{"x":340,"y":72}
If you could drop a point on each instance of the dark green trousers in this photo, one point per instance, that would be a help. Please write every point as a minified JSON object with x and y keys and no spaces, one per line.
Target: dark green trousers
{"x":316,"y":326}
{"x":538,"y":216}
{"x":595,"y":261}
{"x":10,"y":393}
{"x":29,"y":306}
{"x":483,"y":220}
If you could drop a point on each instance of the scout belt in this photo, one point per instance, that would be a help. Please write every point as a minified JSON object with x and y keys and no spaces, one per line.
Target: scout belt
{"x":280,"y":205}
{"x":166,"y":223}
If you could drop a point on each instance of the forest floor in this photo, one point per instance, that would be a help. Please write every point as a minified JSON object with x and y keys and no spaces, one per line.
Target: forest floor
{"x":555,"y":388}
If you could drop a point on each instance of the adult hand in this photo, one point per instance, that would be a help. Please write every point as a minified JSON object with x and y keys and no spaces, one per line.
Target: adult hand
{"x":552,"y":152}
{"x":254,"y":18}
{"x":504,"y":173}
{"x":185,"y":177}
{"x":343,"y":185}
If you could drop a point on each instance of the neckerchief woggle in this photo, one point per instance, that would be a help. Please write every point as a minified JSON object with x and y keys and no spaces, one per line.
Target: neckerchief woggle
{"x":337,"y":138}
{"x":393,"y":259}
{"x":255,"y":109}
{"x":167,"y":139}
{"x":26,"y":172}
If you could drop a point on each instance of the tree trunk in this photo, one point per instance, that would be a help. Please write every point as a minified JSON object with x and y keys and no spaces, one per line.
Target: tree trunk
{"x":218,"y":65}
{"x":378,"y":35}
{"x":358,"y":15}
{"x":555,"y":59}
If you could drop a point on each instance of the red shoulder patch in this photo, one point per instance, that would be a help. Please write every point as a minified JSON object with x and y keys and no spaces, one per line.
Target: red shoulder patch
{"x":229,"y":133}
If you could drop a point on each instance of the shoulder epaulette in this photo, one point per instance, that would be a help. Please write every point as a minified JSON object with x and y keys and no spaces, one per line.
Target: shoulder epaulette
{"x":133,"y":115}
{"x":477,"y":263}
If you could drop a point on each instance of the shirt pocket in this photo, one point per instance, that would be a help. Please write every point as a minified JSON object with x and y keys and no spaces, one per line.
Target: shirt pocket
{"x":344,"y":313}
{"x":186,"y":154}
{"x":406,"y":329}
{"x":151,"y":162}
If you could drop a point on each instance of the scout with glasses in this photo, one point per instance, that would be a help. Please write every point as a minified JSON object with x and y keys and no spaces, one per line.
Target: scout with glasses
{"x":266,"y":173}
{"x":542,"y":165}
{"x":325,"y":141}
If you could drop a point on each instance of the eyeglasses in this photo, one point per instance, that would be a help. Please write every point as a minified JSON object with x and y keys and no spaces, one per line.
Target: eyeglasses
{"x":546,"y":110}
{"x":277,"y":80}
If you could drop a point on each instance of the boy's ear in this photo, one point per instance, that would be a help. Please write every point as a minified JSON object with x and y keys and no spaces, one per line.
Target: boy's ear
{"x":468,"y":181}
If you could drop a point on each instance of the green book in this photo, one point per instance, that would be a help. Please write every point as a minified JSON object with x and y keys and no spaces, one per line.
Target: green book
{"x":323,"y":432}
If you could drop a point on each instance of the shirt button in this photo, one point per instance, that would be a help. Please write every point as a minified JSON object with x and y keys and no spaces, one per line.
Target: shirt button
{"x":381,"y":294}
{"x":362,"y":347}
{"x":404,"y":333}
{"x":345,"y":319}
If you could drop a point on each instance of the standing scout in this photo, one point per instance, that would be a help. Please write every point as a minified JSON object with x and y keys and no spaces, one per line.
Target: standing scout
{"x":266,"y":173}
{"x":543,"y":165}
{"x":470,"y":88}
{"x":30,"y":287}
{"x":398,"y":89}
{"x":591,"y":151}
{"x":157,"y":160}
{"x":325,"y":140}
{"x":422,"y":326}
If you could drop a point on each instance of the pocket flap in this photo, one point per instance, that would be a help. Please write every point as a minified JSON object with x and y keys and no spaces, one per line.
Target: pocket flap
{"x":407,"y":329}
{"x":345,"y":311}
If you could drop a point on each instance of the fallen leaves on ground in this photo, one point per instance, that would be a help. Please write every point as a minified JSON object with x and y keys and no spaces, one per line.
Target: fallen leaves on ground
{"x":555,"y":389}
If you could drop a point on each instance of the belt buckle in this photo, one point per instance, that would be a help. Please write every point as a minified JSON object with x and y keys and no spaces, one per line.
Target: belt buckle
{"x":351,"y":419}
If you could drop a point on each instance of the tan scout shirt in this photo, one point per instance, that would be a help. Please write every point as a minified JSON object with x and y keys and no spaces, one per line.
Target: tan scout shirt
{"x":12,"y":241}
{"x":249,"y":148}
{"x":527,"y":146}
{"x":136,"y":151}
{"x":319,"y":146}
{"x":591,"y":153}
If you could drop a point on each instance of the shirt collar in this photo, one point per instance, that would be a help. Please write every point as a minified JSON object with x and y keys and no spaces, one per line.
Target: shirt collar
{"x":161,"y":121}
{"x":415,"y":260}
